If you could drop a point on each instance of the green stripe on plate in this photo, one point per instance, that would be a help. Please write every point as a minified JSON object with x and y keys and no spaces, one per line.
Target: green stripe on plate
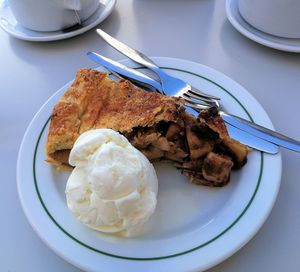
{"x":158,"y":257}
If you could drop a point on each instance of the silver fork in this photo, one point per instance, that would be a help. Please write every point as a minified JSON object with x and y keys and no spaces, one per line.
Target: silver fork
{"x":170,"y":84}
{"x":121,"y":71}
{"x":142,"y":79}
{"x":200,"y":103}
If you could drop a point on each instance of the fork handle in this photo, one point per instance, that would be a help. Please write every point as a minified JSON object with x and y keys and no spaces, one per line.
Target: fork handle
{"x":142,"y":59}
{"x":133,"y":54}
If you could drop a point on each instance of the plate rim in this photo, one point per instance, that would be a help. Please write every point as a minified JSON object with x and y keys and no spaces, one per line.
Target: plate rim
{"x":159,"y":59}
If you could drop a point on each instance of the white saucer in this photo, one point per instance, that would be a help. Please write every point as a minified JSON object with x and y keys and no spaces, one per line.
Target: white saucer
{"x":9,"y":23}
{"x":284,"y":44}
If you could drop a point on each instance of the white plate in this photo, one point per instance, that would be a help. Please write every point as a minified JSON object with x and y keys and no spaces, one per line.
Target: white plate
{"x":235,"y":18}
{"x":193,"y":228}
{"x":9,"y":23}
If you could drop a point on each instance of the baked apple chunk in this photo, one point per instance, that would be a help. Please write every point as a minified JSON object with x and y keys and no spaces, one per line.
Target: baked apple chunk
{"x":157,"y":125}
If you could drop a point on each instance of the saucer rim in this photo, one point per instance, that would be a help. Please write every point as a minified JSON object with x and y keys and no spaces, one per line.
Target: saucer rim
{"x":56,"y":35}
{"x":264,"y":38}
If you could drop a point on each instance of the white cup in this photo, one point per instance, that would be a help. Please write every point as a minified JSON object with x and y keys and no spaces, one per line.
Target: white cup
{"x":276,"y":17}
{"x":52,"y":15}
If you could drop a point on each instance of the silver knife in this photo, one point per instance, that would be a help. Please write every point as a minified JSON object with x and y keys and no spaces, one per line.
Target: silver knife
{"x":235,"y":121}
{"x":131,"y":73}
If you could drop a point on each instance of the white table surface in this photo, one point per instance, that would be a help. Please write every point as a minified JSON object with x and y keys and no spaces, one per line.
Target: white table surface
{"x":195,"y":30}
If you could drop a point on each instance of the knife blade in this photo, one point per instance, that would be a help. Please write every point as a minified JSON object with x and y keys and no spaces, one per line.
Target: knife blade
{"x":131,"y":73}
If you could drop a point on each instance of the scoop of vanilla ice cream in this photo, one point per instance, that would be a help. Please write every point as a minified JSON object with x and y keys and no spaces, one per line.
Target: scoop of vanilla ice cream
{"x":113,"y":186}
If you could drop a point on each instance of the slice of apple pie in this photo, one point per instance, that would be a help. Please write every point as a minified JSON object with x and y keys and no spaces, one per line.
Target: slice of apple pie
{"x":155,"y":124}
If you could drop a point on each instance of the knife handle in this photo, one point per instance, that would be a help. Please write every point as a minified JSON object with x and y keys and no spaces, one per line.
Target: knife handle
{"x":261,"y":132}
{"x":124,"y":70}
